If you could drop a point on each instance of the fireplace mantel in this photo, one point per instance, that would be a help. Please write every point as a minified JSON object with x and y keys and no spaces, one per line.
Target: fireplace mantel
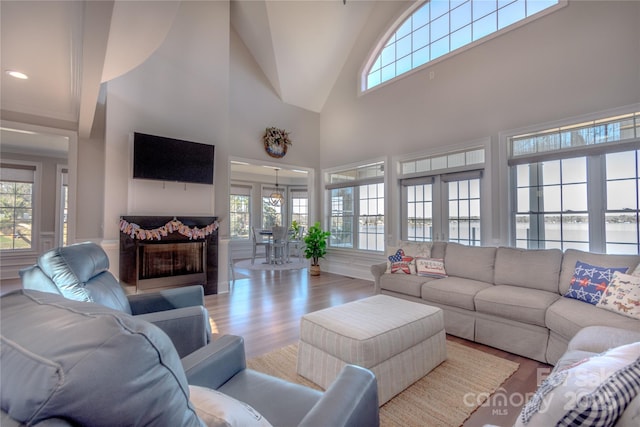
{"x":172,"y":267}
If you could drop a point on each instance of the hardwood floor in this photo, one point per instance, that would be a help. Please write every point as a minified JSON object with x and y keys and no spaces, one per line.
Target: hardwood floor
{"x":265,"y":308}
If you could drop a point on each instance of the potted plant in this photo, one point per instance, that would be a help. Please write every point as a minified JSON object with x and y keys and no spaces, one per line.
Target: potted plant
{"x":295,"y":230}
{"x":315,"y":247}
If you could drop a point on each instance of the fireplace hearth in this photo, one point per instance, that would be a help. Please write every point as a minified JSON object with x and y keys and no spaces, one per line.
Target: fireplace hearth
{"x":174,"y":260}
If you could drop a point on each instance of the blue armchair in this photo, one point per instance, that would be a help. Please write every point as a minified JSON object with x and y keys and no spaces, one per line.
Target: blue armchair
{"x":65,"y":362}
{"x":80,"y":272}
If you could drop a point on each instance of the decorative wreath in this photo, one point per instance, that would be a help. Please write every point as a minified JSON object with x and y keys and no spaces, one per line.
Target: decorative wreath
{"x":276,"y":141}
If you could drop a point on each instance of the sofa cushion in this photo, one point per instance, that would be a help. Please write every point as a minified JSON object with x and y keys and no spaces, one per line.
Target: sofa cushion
{"x":567,"y":316}
{"x":438,"y":249}
{"x":595,"y":391}
{"x":515,"y":303}
{"x":403,"y":283}
{"x":528,"y":268}
{"x":622,"y":296}
{"x":470,"y":262}
{"x":76,"y":360}
{"x":571,"y":256}
{"x":453,"y":291}
{"x":589,"y":282}
{"x":410,"y":248}
{"x":219,"y":410}
{"x":598,"y":339}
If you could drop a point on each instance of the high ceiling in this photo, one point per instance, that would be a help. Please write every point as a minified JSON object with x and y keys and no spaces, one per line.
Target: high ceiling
{"x":68,"y":48}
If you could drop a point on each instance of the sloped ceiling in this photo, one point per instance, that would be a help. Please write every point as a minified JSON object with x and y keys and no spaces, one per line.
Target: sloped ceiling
{"x":69,"y":48}
{"x":300,"y":46}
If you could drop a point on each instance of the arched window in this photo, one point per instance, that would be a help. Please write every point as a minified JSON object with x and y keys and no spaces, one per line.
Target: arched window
{"x":436,"y":28}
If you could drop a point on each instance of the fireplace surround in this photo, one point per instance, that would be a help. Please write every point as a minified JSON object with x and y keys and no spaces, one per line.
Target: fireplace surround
{"x":174,"y":259}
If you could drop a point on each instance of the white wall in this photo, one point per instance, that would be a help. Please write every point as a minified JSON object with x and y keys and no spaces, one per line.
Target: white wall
{"x":181,"y":91}
{"x":201,"y":85}
{"x":583,"y":58}
{"x":255,"y":106}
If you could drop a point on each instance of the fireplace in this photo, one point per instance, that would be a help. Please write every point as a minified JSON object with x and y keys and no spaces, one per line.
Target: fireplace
{"x":174,"y":259}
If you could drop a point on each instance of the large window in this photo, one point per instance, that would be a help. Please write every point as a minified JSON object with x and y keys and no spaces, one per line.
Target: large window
{"x":437,"y":27}
{"x":300,"y":206}
{"x":239,"y":211}
{"x":16,"y":206}
{"x":452,"y":215}
{"x":357,"y":208}
{"x":552,"y":209}
{"x":577,"y":186}
{"x":441,"y":197}
{"x":271,"y":214}
{"x":464,"y":211}
{"x":622,"y":234}
{"x":62,"y":204}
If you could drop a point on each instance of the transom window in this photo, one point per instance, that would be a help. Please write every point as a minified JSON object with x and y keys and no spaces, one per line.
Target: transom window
{"x":439,"y":27}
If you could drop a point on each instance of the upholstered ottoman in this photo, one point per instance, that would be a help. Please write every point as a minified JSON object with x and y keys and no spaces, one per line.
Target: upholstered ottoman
{"x":399,"y":340}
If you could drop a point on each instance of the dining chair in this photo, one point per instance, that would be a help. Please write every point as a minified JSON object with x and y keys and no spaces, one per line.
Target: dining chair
{"x":279,"y":244}
{"x":296,"y":245}
{"x":259,"y":241}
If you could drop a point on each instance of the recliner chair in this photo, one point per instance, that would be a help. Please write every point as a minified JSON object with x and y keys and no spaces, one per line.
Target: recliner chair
{"x":80,"y":272}
{"x":72,"y":363}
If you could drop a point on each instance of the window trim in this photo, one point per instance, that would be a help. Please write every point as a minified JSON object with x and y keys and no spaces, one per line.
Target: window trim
{"x":328,"y":186}
{"x":36,"y":220}
{"x":487,"y":191}
{"x":292,"y":191}
{"x":397,"y":23}
{"x":248,"y":189}
{"x":61,"y":170}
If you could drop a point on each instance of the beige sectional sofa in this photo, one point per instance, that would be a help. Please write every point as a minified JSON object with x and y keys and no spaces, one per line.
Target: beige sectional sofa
{"x":508,"y":298}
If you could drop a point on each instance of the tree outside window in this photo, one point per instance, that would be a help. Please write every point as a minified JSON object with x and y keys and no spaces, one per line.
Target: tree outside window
{"x":239,"y":216}
{"x":16,"y":215}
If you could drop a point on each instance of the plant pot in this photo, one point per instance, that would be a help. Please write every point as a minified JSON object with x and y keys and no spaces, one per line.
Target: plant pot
{"x":314,"y":270}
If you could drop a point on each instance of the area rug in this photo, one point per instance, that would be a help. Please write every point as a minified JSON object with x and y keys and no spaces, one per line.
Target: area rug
{"x":295,"y":264}
{"x":447,"y":396}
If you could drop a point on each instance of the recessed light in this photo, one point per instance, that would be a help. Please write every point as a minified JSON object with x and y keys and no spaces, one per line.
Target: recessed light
{"x":17,"y":74}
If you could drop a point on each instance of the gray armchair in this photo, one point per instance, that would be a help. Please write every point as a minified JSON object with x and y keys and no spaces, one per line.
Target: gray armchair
{"x":80,"y":272}
{"x":66,"y":362}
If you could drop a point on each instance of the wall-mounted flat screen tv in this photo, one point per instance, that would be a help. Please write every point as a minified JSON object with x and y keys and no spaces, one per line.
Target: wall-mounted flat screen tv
{"x":168,"y":159}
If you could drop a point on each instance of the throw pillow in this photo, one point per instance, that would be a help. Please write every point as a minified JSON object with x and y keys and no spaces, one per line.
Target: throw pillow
{"x":400,"y":263}
{"x":219,"y":410}
{"x":589,"y":281}
{"x":622,"y":296}
{"x":430,"y":267}
{"x":594,"y":392}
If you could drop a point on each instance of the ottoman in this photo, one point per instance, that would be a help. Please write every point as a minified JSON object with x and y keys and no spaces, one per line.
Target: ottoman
{"x":399,"y":340}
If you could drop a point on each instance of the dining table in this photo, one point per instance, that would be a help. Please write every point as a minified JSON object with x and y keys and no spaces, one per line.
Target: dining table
{"x":268,"y":233}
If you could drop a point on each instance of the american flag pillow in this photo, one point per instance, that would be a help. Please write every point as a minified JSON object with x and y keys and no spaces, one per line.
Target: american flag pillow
{"x":400,"y":263}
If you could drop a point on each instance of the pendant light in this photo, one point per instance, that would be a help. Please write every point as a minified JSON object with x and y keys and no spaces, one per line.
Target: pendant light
{"x":276,"y":198}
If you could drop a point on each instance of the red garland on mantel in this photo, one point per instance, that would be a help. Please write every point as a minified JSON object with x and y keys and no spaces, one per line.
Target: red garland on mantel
{"x":136,"y":232}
